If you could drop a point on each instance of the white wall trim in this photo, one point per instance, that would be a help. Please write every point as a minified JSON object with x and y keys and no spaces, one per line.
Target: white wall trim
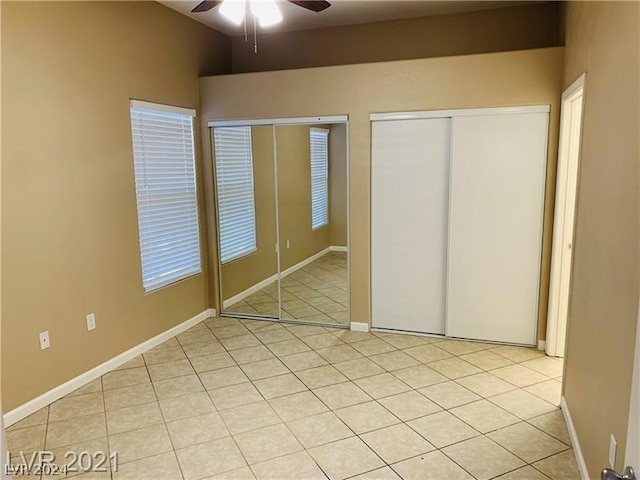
{"x":60,"y":391}
{"x":252,"y":289}
{"x":359,"y":327}
{"x":567,"y":178}
{"x":462,"y":112}
{"x":162,"y":108}
{"x":267,"y":281}
{"x":328,"y":119}
{"x":336,"y":248}
{"x":582,"y":465}
{"x":542,"y":345}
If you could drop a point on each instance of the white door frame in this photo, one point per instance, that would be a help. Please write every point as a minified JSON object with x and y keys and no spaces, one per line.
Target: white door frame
{"x":564,"y":217}
{"x":632,"y":454}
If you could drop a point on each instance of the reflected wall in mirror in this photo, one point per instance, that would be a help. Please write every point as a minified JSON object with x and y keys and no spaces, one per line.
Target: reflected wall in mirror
{"x":245,"y":180}
{"x":312,"y":205}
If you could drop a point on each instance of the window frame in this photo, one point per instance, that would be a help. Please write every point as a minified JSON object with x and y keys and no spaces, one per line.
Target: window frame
{"x":143,"y":195}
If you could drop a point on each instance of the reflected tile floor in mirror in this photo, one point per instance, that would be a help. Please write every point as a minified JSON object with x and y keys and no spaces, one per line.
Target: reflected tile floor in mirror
{"x":316,"y":293}
{"x":245,"y":399}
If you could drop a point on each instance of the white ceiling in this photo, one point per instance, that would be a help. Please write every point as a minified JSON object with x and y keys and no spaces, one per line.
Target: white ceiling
{"x":342,"y":12}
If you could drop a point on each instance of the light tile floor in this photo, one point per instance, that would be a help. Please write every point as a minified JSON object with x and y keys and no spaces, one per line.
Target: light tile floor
{"x":238,"y":399}
{"x":315,"y":293}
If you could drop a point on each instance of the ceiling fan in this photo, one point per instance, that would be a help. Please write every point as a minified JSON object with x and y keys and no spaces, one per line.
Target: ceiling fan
{"x":266,"y":12}
{"x":313,"y":5}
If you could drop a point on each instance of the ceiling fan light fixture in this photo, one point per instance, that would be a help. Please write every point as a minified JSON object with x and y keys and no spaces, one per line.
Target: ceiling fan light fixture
{"x":266,"y":11}
{"x":234,"y":10}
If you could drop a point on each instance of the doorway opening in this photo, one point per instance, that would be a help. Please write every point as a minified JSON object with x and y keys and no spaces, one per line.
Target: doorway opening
{"x":564,"y":218}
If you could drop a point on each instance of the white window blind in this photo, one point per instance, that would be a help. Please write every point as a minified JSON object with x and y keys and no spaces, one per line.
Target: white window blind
{"x":165,"y":177}
{"x":319,"y":177}
{"x":236,"y":202}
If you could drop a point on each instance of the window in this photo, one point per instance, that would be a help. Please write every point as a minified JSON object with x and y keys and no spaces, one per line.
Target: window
{"x":319,"y":177}
{"x":234,"y":181}
{"x":165,"y":175}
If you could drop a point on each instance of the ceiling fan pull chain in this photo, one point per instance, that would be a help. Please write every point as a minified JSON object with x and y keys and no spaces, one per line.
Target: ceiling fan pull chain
{"x":244,"y":25}
{"x":255,"y":36}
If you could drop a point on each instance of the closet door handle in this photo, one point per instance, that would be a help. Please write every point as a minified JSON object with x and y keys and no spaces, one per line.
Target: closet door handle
{"x":609,"y":474}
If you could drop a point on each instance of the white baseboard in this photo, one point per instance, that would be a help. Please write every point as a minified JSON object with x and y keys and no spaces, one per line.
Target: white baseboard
{"x":542,"y":345}
{"x":60,"y":391}
{"x":304,"y":262}
{"x":582,"y":465}
{"x":335,"y":248}
{"x":260,"y":285}
{"x":359,"y":327}
{"x":252,"y":289}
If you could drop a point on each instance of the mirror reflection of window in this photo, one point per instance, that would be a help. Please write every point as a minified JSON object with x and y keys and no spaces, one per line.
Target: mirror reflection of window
{"x":319,"y":140}
{"x":235,"y":187}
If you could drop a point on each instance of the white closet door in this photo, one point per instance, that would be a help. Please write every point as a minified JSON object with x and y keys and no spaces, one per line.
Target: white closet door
{"x":409,"y":198}
{"x":495,"y":230}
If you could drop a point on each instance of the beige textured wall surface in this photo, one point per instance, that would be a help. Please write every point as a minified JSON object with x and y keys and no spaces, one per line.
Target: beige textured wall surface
{"x":244,"y":272}
{"x":526,"y":77}
{"x":502,"y":29}
{"x":338,"y":187}
{"x":69,"y":221}
{"x":603,"y":40}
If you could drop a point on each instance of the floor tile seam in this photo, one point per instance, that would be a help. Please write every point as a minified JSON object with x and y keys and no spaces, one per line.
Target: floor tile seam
{"x":197,"y":376}
{"x":13,"y":427}
{"x":456,"y":463}
{"x":539,"y":396}
{"x":391,"y":465}
{"x":376,"y":401}
{"x":492,"y":430}
{"x":528,"y":422}
{"x":66,"y":445}
{"x":492,"y":400}
{"x":384,"y":463}
{"x":230,"y":435}
{"x":515,"y":387}
{"x":567,"y":448}
{"x":388,"y":464}
{"x":522,"y":364}
{"x":166,"y":431}
{"x":532,"y":465}
{"x":477,"y":432}
{"x":303,"y":448}
{"x":106,"y":425}
{"x":281,"y":456}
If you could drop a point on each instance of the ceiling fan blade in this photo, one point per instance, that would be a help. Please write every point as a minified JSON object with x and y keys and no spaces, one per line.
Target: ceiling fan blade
{"x":206,"y":6}
{"x":313,"y":5}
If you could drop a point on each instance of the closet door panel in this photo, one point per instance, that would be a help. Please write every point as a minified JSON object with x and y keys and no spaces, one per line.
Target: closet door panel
{"x":409,"y":198}
{"x":495,"y":231}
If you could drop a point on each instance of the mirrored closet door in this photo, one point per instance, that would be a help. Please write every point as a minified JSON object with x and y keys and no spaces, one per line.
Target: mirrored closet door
{"x":281,"y":210}
{"x":245,"y":194}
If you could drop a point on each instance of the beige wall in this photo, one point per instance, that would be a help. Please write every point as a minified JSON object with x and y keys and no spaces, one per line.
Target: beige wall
{"x":487,"y":80}
{"x":69,"y":222}
{"x":240,"y":274}
{"x":338,"y":185}
{"x":294,"y":197}
{"x":502,"y":29}
{"x":603,"y":40}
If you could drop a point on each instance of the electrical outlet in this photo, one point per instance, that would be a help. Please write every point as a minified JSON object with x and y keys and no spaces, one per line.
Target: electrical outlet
{"x":288,"y":244}
{"x":613,"y":447}
{"x":91,"y":321}
{"x":44,"y":340}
